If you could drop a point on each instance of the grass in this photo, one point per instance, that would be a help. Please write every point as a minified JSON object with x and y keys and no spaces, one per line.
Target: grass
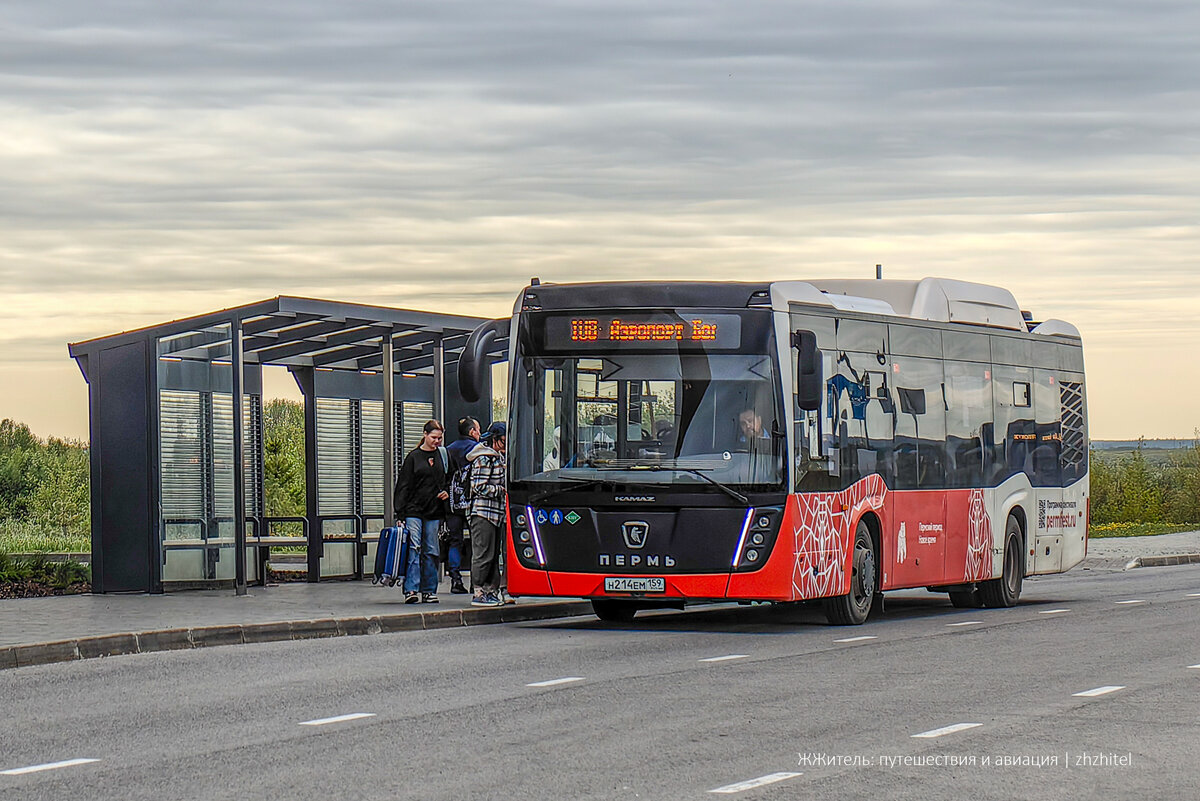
{"x":22,"y":536}
{"x":1139,"y":529}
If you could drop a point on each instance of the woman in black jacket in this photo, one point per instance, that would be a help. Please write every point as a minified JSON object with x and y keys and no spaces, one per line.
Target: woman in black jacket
{"x":420,"y":502}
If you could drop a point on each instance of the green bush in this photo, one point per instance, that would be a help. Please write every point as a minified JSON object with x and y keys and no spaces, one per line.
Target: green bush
{"x":1132,"y":489}
{"x":44,"y":490}
{"x":38,"y":569}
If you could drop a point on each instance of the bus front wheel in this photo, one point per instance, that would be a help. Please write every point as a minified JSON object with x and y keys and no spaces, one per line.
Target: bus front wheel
{"x":852,"y":608}
{"x":1005,"y":591}
{"x":614,"y":611}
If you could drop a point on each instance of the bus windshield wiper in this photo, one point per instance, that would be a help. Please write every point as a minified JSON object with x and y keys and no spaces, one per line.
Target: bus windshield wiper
{"x":575,"y":483}
{"x":725,"y":488}
{"x":655,"y":468}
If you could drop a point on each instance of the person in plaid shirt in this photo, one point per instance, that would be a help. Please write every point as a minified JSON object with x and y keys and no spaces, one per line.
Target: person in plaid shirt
{"x":487,"y":514}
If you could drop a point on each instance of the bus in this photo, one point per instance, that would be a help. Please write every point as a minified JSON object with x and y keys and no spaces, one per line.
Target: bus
{"x":831,"y":440}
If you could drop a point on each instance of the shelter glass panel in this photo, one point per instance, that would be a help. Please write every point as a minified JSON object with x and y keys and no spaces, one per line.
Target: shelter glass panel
{"x":337,"y":460}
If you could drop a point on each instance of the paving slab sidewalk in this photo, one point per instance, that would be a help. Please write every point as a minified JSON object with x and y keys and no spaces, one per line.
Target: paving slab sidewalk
{"x":1119,"y":553}
{"x":63,"y":628}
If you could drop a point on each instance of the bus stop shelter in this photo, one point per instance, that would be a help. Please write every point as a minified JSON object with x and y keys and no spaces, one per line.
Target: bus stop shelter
{"x":175,"y":462}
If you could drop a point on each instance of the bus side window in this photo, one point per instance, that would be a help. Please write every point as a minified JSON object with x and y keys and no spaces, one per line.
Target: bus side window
{"x":968,"y":420}
{"x":920,"y":442}
{"x":1044,"y":468}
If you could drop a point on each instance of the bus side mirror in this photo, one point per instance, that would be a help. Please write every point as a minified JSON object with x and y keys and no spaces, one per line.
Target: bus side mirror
{"x":473,"y":363}
{"x":809,"y":380}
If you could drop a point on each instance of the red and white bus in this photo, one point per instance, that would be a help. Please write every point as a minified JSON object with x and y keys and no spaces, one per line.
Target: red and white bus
{"x":675,"y":442}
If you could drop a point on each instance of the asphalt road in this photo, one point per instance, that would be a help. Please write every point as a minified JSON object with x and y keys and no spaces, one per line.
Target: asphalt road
{"x":637,"y":712}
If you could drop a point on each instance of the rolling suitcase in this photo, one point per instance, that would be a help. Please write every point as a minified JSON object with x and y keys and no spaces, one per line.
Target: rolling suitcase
{"x":391,"y":557}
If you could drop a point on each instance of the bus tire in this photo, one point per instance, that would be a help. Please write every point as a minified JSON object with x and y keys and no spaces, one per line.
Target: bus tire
{"x":966,"y":599}
{"x":852,"y":608}
{"x":1004,"y":591}
{"x":614,"y":611}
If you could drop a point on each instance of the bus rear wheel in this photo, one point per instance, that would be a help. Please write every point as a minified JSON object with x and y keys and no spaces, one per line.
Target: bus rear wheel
{"x":1004,"y":591}
{"x":852,"y":608}
{"x":614,"y":611}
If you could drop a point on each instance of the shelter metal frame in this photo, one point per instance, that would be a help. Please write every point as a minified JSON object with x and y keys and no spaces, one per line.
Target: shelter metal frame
{"x":332,"y":347}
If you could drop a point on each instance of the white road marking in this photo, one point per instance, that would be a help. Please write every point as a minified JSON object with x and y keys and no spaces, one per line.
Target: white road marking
{"x":1194,"y":595}
{"x":750,"y":784}
{"x":951,"y":729}
{"x":1193,"y":667}
{"x":338,"y":719}
{"x":859,"y":639}
{"x":48,"y":766}
{"x":1053,"y":611}
{"x":724,"y":658}
{"x":1112,"y":688}
{"x":966,"y":623}
{"x":553,"y":682}
{"x":1136,"y":601}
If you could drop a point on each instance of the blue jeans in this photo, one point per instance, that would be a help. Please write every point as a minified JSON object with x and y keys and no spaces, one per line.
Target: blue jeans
{"x":454,"y":547}
{"x":423,"y":553}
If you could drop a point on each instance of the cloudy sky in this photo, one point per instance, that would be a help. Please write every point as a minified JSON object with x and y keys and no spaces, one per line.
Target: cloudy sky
{"x":164,"y":159}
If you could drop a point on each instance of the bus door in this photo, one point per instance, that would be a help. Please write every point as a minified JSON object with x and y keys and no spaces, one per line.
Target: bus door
{"x":919,"y":507}
{"x":1045,"y":462}
{"x":1015,"y":441}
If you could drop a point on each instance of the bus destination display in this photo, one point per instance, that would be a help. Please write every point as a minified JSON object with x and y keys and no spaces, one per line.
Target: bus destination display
{"x":645,"y":330}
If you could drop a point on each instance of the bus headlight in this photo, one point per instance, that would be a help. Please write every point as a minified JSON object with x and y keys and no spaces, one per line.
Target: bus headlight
{"x":528,"y":552}
{"x":523,"y":536}
{"x":757,"y":538}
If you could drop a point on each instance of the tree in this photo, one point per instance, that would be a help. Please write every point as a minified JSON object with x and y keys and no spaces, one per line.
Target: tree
{"x":20,"y":469}
{"x":62,"y":497}
{"x":283,"y":458}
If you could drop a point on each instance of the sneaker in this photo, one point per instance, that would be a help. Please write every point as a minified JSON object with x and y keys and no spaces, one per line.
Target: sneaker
{"x":411,"y":598}
{"x":457,"y":588}
{"x":505,"y":598}
{"x":481,"y":599}
{"x":429,"y":598}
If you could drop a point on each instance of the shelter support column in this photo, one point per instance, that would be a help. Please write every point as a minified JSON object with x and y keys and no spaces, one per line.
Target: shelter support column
{"x":239,"y":457}
{"x":389,"y":431}
{"x":439,"y":379}
{"x":306,"y":379}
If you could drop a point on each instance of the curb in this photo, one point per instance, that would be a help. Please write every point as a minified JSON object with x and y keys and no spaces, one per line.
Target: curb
{"x":144,"y":642}
{"x":1164,"y":561}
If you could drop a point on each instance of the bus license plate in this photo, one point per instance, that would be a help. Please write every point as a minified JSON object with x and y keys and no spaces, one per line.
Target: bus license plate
{"x":638,"y":584}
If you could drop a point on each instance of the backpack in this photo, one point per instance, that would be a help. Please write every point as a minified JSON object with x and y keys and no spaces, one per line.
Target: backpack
{"x":460,"y":490}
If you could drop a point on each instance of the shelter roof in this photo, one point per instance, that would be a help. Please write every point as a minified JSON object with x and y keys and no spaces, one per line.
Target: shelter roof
{"x":306,"y":332}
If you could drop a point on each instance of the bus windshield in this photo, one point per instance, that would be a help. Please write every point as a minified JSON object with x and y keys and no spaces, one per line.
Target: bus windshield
{"x":666,"y":418}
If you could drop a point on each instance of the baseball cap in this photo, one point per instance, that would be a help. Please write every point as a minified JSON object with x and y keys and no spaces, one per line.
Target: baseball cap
{"x":496,"y":429}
